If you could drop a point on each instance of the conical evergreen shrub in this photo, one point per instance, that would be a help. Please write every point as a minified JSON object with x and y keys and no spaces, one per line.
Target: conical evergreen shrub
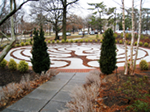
{"x":40,"y":58}
{"x":108,"y":53}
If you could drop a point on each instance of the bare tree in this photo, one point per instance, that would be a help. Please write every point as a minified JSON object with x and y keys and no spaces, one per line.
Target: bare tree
{"x":65,"y":4}
{"x":139,"y":36}
{"x":13,"y":10}
{"x":124,"y":39}
{"x":51,"y":13}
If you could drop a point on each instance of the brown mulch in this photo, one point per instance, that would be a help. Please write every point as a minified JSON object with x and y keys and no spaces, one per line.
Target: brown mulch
{"x":115,"y":101}
{"x":8,"y":76}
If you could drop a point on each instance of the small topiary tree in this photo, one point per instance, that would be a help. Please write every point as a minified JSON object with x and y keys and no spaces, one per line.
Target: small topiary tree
{"x":23,"y":66}
{"x":12,"y":65}
{"x":40,"y":58}
{"x":3,"y":63}
{"x":108,"y":53}
{"x":143,"y":65}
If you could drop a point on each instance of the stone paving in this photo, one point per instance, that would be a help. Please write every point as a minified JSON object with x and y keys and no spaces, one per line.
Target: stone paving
{"x":51,"y":96}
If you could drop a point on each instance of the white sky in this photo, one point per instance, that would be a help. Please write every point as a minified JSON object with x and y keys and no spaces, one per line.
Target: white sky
{"x":109,"y":3}
{"x":81,"y":10}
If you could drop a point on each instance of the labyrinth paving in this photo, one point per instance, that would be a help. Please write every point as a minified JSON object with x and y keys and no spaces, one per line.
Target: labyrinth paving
{"x":75,"y":55}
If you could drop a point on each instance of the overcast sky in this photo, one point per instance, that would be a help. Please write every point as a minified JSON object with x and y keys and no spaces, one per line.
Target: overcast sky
{"x":82,"y":11}
{"x":109,"y":3}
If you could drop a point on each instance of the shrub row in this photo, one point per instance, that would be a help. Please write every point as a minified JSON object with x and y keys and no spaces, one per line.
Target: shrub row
{"x":145,"y":44}
{"x":72,"y":41}
{"x":12,"y":65}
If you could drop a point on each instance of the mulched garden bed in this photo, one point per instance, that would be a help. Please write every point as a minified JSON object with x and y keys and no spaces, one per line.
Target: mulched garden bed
{"x":7,"y":76}
{"x":120,"y":92}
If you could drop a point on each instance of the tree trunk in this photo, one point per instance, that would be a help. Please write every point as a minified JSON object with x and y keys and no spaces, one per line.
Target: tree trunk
{"x":132,"y":40}
{"x":64,"y":19}
{"x":139,"y":35}
{"x":124,"y":39}
{"x":8,"y":47}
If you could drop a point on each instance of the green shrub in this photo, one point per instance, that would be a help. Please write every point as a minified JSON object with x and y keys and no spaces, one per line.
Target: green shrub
{"x":17,"y":45}
{"x":141,"y":43}
{"x":62,"y":41}
{"x":76,"y":41}
{"x":95,"y":40}
{"x":135,"y":43}
{"x":91,"y":40}
{"x":71,"y":41}
{"x":81,"y":40}
{"x":26,"y":43}
{"x":145,"y":44}
{"x":22,"y":43}
{"x":115,"y":35}
{"x":116,"y":41}
{"x":126,"y":42}
{"x":120,"y":42}
{"x":143,"y":65}
{"x":12,"y":65}
{"x":101,"y":40}
{"x":86,"y":40}
{"x":40,"y":58}
{"x":53,"y":41}
{"x":3,"y":63}
{"x":49,"y":41}
{"x":129,"y":43}
{"x":67,"y":41}
{"x":139,"y":106}
{"x":108,"y":53}
{"x":57,"y":41}
{"x":23,"y":66}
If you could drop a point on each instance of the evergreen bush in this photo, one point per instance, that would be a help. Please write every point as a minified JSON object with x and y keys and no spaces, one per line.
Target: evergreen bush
{"x":145,"y":44}
{"x":116,"y":41}
{"x":26,"y":43}
{"x":53,"y":41}
{"x":141,"y":43}
{"x":62,"y":41}
{"x":81,"y":40}
{"x":76,"y":41}
{"x":71,"y":41}
{"x":101,"y":41}
{"x":108,"y":53}
{"x":40,"y":58}
{"x":57,"y":41}
{"x":135,"y":43}
{"x":12,"y":65}
{"x":49,"y":41}
{"x":115,"y":35}
{"x":23,"y":66}
{"x":91,"y":40}
{"x":120,"y":42}
{"x":129,"y":42}
{"x":3,"y":63}
{"x":22,"y":43}
{"x":17,"y":45}
{"x":67,"y":41}
{"x":143,"y":65}
{"x":86,"y":40}
{"x":95,"y":40}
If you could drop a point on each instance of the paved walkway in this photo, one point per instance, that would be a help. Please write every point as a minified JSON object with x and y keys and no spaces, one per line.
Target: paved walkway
{"x":51,"y":96}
